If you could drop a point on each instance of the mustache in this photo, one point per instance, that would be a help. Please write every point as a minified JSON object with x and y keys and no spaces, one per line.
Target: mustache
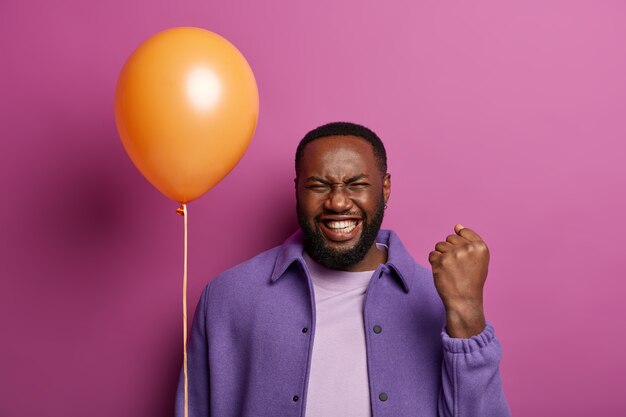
{"x":345,"y":213}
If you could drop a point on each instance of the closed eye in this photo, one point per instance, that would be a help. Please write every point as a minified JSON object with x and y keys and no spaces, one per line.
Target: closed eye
{"x":359,"y":186}
{"x":318,"y":188}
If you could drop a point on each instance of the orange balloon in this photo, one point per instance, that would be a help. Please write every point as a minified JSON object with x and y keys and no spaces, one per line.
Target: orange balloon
{"x":186,"y":107}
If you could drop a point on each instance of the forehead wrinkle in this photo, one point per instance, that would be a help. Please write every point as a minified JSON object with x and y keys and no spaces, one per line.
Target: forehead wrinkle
{"x":346,"y":181}
{"x":338,"y":159}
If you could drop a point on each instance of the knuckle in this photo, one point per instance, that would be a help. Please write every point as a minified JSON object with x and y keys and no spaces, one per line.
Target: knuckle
{"x":480,"y":246}
{"x":446,"y":260}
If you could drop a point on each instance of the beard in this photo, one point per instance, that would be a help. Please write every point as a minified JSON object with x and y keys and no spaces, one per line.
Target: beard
{"x":341,"y":259}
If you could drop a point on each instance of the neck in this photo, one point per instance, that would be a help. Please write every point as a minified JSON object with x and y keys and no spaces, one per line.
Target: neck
{"x":370,"y":261}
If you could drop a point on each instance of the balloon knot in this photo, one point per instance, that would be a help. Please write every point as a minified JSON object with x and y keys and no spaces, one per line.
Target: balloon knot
{"x":181,"y":210}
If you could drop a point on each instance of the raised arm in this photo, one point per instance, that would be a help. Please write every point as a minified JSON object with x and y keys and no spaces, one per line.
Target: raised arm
{"x":471,"y":384}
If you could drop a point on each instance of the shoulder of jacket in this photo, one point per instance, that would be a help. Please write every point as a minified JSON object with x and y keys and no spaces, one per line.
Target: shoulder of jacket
{"x":260,"y":265}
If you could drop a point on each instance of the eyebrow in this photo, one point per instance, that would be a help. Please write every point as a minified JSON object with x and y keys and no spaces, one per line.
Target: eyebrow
{"x":348,"y":181}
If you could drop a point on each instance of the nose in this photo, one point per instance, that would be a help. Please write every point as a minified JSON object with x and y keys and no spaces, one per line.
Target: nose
{"x":338,"y":200}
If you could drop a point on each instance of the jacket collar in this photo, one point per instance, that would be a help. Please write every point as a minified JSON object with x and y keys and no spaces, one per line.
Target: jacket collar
{"x":398,"y":259}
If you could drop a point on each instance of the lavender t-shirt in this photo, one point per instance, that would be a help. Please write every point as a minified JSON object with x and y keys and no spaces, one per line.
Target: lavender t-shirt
{"x":338,"y":381}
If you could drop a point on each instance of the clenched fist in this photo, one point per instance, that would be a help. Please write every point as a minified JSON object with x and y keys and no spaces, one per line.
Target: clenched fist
{"x":460,"y":269}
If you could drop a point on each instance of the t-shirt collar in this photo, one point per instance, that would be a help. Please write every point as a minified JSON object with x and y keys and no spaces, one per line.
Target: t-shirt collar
{"x":399,"y":260}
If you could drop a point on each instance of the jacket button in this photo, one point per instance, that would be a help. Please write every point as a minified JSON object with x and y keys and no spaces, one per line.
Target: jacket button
{"x":377,"y":329}
{"x":295,"y":398}
{"x":305,"y":329}
{"x":383,"y":396}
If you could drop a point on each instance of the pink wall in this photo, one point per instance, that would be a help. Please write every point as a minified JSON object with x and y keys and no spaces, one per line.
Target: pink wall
{"x":508,"y":117}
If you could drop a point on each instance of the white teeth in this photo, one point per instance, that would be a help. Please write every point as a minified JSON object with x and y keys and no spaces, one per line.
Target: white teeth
{"x":344,"y":226}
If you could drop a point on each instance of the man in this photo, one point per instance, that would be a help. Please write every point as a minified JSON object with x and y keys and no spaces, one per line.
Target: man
{"x":339,"y":320}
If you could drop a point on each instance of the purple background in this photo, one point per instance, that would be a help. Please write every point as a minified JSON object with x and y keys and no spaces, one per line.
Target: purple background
{"x":508,"y":117}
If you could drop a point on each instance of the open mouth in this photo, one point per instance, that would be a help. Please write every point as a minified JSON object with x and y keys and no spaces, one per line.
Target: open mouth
{"x":343,"y":226}
{"x":340,"y":230}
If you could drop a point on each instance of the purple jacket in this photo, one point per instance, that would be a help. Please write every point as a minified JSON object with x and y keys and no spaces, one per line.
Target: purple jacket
{"x":250,"y":346}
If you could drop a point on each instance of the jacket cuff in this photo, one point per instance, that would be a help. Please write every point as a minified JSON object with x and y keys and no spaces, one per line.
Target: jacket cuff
{"x":470,"y":345}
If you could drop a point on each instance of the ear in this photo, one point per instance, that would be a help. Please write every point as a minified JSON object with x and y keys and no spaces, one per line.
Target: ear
{"x":387,"y":187}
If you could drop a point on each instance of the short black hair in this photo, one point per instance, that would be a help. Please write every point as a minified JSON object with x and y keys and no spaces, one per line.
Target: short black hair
{"x":345,"y":129}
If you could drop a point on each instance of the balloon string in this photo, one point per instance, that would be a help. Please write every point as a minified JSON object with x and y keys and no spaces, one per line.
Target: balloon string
{"x":182,"y":211}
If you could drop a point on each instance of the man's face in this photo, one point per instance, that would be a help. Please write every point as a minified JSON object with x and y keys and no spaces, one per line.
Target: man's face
{"x":340,"y":195}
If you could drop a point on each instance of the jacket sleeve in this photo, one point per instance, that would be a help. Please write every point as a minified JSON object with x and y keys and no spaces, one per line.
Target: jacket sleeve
{"x":197,"y":366}
{"x":471,"y":384}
